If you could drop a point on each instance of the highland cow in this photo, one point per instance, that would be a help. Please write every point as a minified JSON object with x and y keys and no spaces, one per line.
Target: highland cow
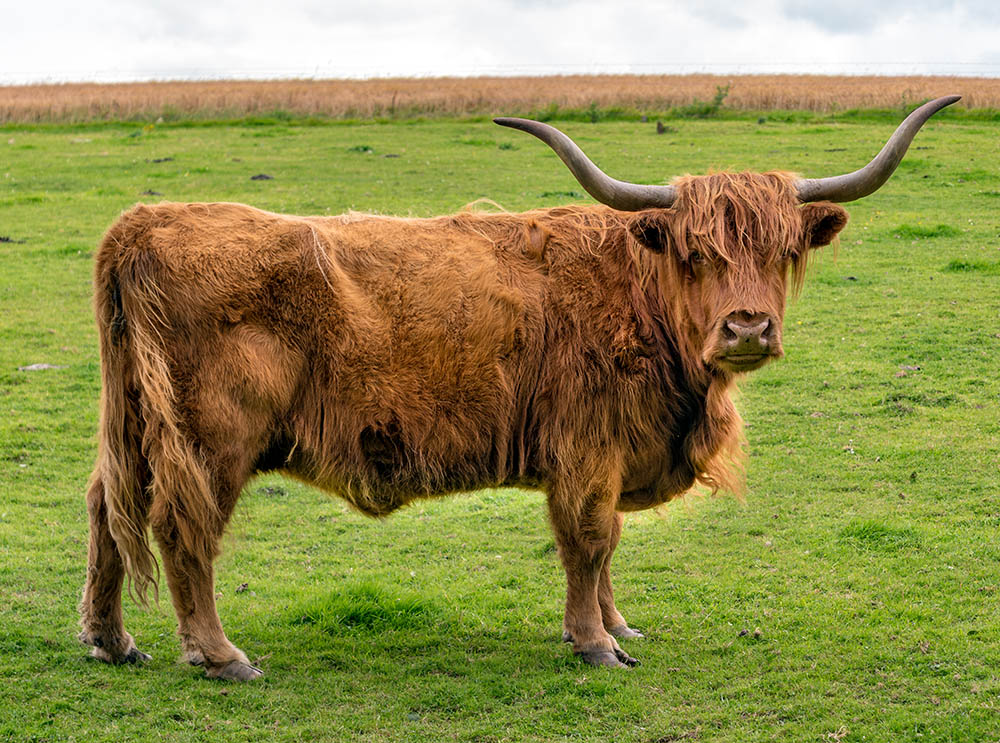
{"x":585,"y":351}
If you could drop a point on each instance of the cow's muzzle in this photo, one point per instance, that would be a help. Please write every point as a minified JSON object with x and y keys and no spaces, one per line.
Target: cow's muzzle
{"x":748,"y":340}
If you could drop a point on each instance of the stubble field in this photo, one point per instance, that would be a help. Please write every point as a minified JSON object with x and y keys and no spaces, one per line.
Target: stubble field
{"x":590,"y":97}
{"x":851,"y":595}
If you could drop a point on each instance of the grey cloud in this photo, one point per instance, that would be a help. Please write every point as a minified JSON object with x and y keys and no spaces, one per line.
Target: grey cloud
{"x":162,"y":20}
{"x":857,"y":15}
{"x":529,"y":5}
{"x":722,"y":13}
{"x":381,"y":13}
{"x":980,"y":11}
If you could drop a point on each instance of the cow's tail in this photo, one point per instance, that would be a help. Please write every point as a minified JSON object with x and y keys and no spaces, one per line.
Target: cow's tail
{"x":149,"y":469}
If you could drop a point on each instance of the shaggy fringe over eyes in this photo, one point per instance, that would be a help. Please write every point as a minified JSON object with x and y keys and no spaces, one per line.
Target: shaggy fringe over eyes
{"x":735,"y":217}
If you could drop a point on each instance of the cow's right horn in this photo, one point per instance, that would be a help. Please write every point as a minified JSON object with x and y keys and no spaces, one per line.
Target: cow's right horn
{"x":867,"y":180}
{"x":628,"y":197}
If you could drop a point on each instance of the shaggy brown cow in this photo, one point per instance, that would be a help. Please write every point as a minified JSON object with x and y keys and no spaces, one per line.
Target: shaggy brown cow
{"x":587,"y":351}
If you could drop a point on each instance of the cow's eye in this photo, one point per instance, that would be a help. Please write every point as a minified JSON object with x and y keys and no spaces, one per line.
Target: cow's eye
{"x":696,"y":258}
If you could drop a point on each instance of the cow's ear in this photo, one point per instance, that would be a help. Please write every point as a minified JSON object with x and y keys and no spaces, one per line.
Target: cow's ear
{"x":649,"y":229}
{"x":821,"y":222}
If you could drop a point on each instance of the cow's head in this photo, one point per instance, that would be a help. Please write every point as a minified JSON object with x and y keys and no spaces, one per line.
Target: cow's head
{"x":725,"y":252}
{"x":727,"y":244}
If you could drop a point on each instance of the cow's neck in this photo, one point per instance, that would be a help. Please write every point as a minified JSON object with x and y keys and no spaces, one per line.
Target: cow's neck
{"x":698,"y":399}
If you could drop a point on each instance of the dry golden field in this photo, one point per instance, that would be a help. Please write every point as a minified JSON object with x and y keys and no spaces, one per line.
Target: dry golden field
{"x":406,"y":97}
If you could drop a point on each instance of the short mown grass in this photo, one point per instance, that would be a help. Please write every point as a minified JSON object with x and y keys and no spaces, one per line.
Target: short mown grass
{"x":850,"y":595}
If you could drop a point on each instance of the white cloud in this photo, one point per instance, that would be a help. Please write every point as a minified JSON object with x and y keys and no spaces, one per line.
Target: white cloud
{"x":109,"y":39}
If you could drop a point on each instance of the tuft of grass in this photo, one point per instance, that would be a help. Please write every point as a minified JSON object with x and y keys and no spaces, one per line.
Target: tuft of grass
{"x":903,"y":403}
{"x":560,"y":195}
{"x":920,"y":232}
{"x":367,"y":606}
{"x":478,"y":142}
{"x":874,"y":536}
{"x":704,"y":109}
{"x":991,"y":268}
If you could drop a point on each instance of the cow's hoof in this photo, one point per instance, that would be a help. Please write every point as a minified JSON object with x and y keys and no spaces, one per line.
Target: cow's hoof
{"x":110,"y":654}
{"x":624,"y":632}
{"x":133,"y":656}
{"x":625,"y":658}
{"x":137,"y":656}
{"x":234,"y":670}
{"x":608,"y":658}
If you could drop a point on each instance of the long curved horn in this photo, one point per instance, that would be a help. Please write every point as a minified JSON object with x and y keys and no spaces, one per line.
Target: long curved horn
{"x":870,"y":178}
{"x":628,"y":197}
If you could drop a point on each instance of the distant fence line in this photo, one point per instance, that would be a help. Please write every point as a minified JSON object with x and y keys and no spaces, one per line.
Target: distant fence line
{"x":408,"y":97}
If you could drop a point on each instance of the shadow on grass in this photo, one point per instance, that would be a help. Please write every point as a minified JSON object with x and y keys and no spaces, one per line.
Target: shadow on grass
{"x":399,"y":634}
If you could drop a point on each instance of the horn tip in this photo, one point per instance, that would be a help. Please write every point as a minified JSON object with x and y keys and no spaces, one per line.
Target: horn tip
{"x":524,"y":125}
{"x":938,"y":103}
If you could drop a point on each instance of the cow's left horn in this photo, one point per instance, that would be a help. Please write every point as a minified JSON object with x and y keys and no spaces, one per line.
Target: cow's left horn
{"x":867,"y":180}
{"x":628,"y":197}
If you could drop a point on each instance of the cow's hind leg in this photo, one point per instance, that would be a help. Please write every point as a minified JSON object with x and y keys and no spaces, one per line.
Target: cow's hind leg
{"x":586,"y":527}
{"x":101,"y":607}
{"x":188,"y":564}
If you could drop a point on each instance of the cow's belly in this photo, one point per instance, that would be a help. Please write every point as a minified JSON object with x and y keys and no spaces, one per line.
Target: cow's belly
{"x":393,"y":440}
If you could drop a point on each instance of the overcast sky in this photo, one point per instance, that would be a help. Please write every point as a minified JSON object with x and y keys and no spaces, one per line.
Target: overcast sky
{"x":111,"y":40}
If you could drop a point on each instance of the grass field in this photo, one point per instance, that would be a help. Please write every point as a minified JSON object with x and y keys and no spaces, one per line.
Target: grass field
{"x":580,"y":96}
{"x":851,"y":595}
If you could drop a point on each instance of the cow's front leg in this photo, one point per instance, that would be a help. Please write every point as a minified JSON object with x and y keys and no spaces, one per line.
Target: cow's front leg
{"x":614,"y":622}
{"x":612,"y":619}
{"x":585,"y":525}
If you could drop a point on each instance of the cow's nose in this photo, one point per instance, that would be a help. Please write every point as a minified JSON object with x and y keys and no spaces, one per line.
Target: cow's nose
{"x":749,"y":332}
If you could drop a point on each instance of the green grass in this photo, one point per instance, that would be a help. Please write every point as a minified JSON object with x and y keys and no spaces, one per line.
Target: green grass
{"x":987,"y":267}
{"x":875,"y":536}
{"x":852,"y":594}
{"x":367,"y":606}
{"x":919,"y":231}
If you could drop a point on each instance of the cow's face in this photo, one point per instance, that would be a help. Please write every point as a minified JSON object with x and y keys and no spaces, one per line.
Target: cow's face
{"x":727,"y":247}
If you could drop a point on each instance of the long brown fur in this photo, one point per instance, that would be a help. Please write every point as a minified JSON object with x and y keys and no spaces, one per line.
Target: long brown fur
{"x":385,"y":359}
